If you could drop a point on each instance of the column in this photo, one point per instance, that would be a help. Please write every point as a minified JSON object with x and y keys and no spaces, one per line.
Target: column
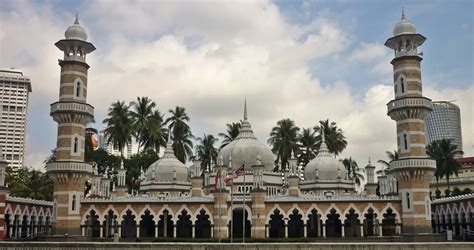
{"x":194,"y":231}
{"x":101,"y":229}
{"x":318,"y":225}
{"x":380,"y":230}
{"x":361,"y":230}
{"x":138,"y":231}
{"x":83,"y":229}
{"x":324,"y":230}
{"x":174,"y":230}
{"x":286,"y":230}
{"x":343,"y":231}
{"x":10,"y":232}
{"x":156,"y":230}
{"x":266,"y":231}
{"x":119,"y":231}
{"x":304,"y":230}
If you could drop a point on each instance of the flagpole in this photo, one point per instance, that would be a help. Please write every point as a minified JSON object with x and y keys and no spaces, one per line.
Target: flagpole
{"x":243,"y":211}
{"x":232,"y":212}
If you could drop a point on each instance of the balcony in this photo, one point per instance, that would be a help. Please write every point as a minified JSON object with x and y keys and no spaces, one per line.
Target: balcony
{"x":72,"y":107}
{"x":69,"y":166}
{"x":414,"y":163}
{"x":409,"y":108}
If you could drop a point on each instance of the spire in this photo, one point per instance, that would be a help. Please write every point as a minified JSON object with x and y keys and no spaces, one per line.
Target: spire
{"x":323,"y":137}
{"x":245,"y":109}
{"x":403,"y":14}
{"x":77,"y":18}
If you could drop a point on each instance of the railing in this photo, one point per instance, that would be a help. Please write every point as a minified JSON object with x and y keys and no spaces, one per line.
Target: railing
{"x":69,"y":166}
{"x":413,"y":162}
{"x":409,"y":102}
{"x":72,"y":106}
{"x":467,"y":235}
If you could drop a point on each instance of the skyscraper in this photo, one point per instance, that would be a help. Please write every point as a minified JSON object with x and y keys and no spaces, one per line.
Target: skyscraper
{"x":445,"y":123}
{"x":14,"y":91}
{"x":109,"y":147}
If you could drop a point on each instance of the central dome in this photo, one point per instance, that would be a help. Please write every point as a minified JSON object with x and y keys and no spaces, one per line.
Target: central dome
{"x":245,"y":149}
{"x":324,"y":166}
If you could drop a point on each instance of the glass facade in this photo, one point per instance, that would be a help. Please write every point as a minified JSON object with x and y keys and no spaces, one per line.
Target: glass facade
{"x":445,"y":123}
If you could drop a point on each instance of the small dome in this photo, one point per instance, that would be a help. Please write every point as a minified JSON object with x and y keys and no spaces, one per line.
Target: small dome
{"x":245,"y":149}
{"x":76,"y":31}
{"x":326,"y":166}
{"x":168,"y":168}
{"x":404,"y":27}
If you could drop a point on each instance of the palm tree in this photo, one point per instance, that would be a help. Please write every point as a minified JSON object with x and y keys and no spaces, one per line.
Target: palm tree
{"x":119,"y":125}
{"x":309,"y":145}
{"x":33,"y":184}
{"x":443,"y":151}
{"x":141,"y":117}
{"x":206,"y":151}
{"x":353,"y":170}
{"x":156,"y":135}
{"x":335,"y":139}
{"x":232,"y":133}
{"x":386,"y":164}
{"x":180,"y":133}
{"x":284,"y":140}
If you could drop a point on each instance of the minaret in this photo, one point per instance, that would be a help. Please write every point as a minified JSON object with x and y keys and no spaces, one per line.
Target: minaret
{"x":72,"y":113}
{"x":413,"y":169}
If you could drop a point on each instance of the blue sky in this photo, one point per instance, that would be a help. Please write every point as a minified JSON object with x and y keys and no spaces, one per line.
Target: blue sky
{"x":305,"y":60}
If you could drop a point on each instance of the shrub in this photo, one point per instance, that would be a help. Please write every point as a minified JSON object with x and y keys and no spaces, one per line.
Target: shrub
{"x":447,"y":192}
{"x":456,"y":191}
{"x":438,"y":193}
{"x":467,"y":191}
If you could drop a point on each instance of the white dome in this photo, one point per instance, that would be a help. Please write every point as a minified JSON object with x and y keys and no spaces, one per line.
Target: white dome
{"x":76,"y":31}
{"x":404,"y":27}
{"x":168,"y":168}
{"x":245,"y":149}
{"x":326,"y":166}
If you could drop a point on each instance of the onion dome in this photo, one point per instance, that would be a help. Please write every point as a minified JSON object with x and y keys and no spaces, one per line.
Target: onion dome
{"x":76,"y":31}
{"x":325,"y":166}
{"x":404,"y":26}
{"x":245,"y":149}
{"x":168,"y":168}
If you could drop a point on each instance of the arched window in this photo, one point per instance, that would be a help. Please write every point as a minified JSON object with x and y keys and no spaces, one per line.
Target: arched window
{"x":73,"y":205}
{"x":402,"y":81}
{"x":78,"y":89}
{"x":405,"y":141}
{"x":408,"y":200}
{"x":76,"y":142}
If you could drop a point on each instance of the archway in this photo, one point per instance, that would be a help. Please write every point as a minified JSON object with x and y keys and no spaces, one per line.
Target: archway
{"x":295,"y":225}
{"x":352,"y":224}
{"x":203,"y":225}
{"x":32,"y":225}
{"x":165,"y":225}
{"x":129,"y":225}
{"x":389,"y":223}
{"x":443,"y":222}
{"x":314,"y":224}
{"x":184,"y":225}
{"x":41,"y":225}
{"x":93,"y":224}
{"x":147,"y":225}
{"x":333,"y":224}
{"x":277,"y":225}
{"x":369,"y":222}
{"x":456,"y":224}
{"x":111,"y":224}
{"x":238,"y":215}
{"x":7,"y":225}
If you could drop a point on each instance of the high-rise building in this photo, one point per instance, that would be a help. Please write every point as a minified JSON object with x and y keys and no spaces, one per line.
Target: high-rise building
{"x":14,"y":90}
{"x":445,"y":123}
{"x":109,"y":147}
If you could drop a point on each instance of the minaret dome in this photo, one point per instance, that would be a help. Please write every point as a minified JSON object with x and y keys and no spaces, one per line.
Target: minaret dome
{"x":76,"y":31}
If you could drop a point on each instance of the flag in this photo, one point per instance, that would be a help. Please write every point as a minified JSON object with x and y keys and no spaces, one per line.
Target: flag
{"x":216,"y":179}
{"x":239,"y":172}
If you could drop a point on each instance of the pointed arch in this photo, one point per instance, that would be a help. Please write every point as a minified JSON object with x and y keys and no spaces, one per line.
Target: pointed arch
{"x":87,"y":212}
{"x":198,"y":211}
{"x":110,"y":207}
{"x":395,"y":211}
{"x":328,"y":211}
{"x":162,"y":209}
{"x":180,"y":210}
{"x":295,"y":206}
{"x":351,"y":205}
{"x":272,"y":210}
{"x":124,"y":212}
{"x":238,"y":206}
{"x":146,"y":207}
{"x":375,"y":210}
{"x":310,"y":209}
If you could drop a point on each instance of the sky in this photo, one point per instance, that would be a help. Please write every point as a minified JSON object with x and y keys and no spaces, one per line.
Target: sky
{"x":303,"y":60}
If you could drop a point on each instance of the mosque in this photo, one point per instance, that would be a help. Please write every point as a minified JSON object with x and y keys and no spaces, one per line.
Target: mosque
{"x":175,"y":201}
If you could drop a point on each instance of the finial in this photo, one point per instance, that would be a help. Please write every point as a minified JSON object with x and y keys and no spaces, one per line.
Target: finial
{"x":77,"y":18}
{"x":369,"y":160}
{"x":403,"y":13}
{"x":245,"y":109}
{"x":323,"y":137}
{"x":121,"y":164}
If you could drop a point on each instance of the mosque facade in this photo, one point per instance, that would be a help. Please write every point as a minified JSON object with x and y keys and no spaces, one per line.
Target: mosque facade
{"x":175,"y":201}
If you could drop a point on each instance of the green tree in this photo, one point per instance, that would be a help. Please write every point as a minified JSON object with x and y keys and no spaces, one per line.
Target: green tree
{"x":155,"y":137}
{"x":335,"y":139}
{"x":106,"y":163}
{"x":142,"y":118}
{"x":353,"y":170}
{"x":180,"y":133}
{"x":119,"y":125}
{"x":386,"y":164}
{"x":308,"y":144}
{"x":233,"y":130}
{"x":206,"y":151}
{"x":443,"y":152}
{"x":136,"y":164}
{"x":32,"y":184}
{"x":284,"y":141}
